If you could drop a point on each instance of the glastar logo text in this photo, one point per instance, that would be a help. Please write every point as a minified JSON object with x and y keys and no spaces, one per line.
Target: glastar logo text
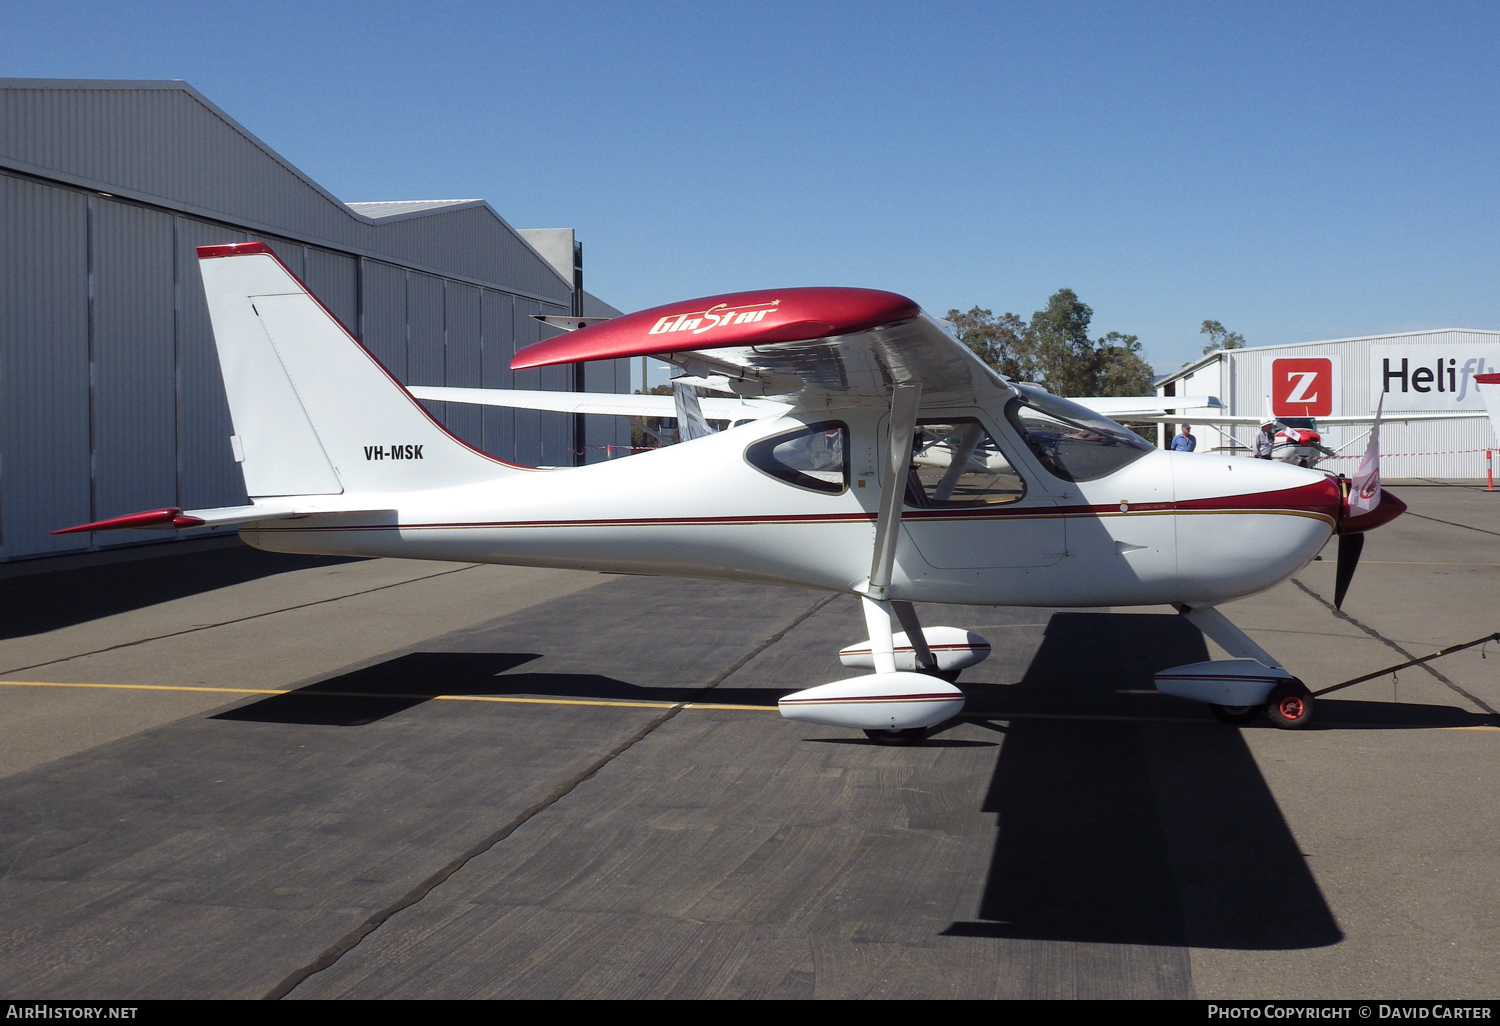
{"x":714,"y":317}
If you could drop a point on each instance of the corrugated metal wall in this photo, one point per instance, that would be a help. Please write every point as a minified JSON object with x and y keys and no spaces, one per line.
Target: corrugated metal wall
{"x":498,"y":424}
{"x":44,"y":366}
{"x":134,"y":361}
{"x":110,"y":395}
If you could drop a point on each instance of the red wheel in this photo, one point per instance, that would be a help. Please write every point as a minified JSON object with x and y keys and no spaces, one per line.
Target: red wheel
{"x":1290,"y":705}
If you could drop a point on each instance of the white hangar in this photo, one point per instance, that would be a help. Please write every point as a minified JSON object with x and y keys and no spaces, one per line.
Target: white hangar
{"x":1415,"y":371}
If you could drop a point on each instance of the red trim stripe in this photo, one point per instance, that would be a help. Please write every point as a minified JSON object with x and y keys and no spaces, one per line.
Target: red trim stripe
{"x":930,"y":648}
{"x":752,"y":521}
{"x":870,"y":699}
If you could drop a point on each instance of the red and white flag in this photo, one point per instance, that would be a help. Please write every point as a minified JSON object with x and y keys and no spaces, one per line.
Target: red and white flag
{"x":1364,"y":494}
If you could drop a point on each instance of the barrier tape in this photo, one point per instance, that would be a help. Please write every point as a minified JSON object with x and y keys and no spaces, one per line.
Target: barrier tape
{"x":1394,"y":455}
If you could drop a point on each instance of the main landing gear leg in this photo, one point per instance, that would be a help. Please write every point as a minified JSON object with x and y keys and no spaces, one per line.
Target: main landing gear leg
{"x":926,"y":661}
{"x":891,"y":706}
{"x":1289,"y":705}
{"x":883,"y":651}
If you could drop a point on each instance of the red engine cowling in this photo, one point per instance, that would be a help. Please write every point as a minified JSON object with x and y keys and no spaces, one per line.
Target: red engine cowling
{"x":1388,"y":509}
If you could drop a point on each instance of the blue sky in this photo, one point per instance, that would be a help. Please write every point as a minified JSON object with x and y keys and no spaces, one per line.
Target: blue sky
{"x":1295,"y":170}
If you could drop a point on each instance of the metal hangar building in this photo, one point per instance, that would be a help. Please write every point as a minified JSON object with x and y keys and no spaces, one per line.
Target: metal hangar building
{"x":110,"y":396}
{"x":1409,"y":372}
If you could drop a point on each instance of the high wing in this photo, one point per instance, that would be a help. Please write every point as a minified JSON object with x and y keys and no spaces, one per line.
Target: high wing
{"x":817,"y":344}
{"x":601,"y":403}
{"x":739,"y":410}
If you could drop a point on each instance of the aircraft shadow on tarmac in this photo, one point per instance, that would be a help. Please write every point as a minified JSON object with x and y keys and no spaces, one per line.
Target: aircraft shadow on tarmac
{"x":44,"y":602}
{"x":374,"y":692}
{"x":1124,"y":816}
{"x":1133,"y":832}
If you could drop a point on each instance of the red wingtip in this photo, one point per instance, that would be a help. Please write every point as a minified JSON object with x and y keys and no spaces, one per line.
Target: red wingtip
{"x":1487,"y":379}
{"x":169,"y":517}
{"x":234,"y":249}
{"x":716,"y":322}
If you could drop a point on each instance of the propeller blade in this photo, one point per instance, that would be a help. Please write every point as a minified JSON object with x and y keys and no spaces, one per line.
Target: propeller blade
{"x":1350,"y":546}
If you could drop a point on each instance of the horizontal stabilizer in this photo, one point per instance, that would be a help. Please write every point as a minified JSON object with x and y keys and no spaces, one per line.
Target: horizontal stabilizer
{"x":173,"y":518}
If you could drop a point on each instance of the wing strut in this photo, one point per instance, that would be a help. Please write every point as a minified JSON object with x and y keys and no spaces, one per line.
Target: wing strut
{"x":904,"y":399}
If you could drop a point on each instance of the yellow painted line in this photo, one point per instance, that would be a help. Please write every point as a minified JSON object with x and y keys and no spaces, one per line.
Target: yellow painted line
{"x":141,"y":687}
{"x":506,"y":699}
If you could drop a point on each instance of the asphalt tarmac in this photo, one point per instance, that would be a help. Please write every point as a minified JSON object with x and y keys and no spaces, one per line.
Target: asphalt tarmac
{"x":227,"y":773}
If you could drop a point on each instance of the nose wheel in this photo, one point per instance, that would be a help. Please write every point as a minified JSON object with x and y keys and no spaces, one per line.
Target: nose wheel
{"x":1290,"y":706}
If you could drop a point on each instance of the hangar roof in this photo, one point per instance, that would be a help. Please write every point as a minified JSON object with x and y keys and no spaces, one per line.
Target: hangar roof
{"x":386,"y":209}
{"x":166,"y":144}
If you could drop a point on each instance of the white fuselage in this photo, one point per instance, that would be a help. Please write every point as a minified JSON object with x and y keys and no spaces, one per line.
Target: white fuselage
{"x":1169,"y":527}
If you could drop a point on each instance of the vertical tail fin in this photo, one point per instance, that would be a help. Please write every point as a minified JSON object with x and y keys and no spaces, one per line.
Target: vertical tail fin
{"x":314,"y":413}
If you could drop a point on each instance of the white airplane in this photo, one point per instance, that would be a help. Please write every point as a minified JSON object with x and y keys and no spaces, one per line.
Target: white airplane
{"x":903,"y":470}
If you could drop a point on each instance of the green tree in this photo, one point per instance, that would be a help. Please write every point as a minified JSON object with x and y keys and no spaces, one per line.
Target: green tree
{"x":1220,"y":337}
{"x":1122,"y":369}
{"x":1072,"y":364}
{"x":1054,"y":349}
{"x":998,"y":341}
{"x":1060,"y":344}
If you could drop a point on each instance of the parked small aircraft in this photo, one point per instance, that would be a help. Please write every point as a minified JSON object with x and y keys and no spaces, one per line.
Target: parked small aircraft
{"x":898,"y":468}
{"x":1295,"y":440}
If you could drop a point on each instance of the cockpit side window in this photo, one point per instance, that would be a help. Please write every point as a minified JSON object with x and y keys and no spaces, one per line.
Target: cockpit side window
{"x":1072,"y":441}
{"x":812,"y":457}
{"x":956,"y":463}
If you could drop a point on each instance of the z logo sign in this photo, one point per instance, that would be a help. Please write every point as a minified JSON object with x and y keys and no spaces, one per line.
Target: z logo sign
{"x":1302,"y":388}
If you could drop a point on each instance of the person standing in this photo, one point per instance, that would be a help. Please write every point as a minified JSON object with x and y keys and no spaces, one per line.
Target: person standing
{"x":1265,"y":440}
{"x":1186,"y":441}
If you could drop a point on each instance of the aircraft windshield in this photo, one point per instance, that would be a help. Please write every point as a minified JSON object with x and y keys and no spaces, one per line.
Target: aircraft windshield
{"x":811,"y":457}
{"x":1071,"y":441}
